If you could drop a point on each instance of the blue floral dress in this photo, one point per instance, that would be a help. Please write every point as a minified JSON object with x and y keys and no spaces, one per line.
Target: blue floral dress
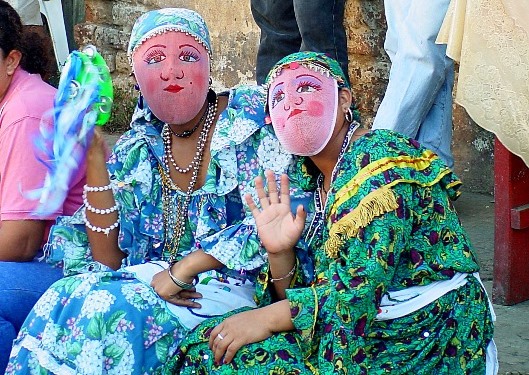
{"x":112,"y":322}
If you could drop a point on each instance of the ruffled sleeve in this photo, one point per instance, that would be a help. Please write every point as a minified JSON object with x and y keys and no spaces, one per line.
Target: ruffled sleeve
{"x":242,"y":148}
{"x":136,"y":181}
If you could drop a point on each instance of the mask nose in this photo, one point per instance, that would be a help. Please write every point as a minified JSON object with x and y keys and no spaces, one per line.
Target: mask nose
{"x":173,"y":71}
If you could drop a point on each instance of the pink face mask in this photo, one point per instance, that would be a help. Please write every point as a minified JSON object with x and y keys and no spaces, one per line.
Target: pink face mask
{"x":303,"y":107}
{"x":172,"y":70}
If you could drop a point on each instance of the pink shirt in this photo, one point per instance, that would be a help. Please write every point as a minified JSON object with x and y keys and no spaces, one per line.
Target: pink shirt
{"x":21,"y":109}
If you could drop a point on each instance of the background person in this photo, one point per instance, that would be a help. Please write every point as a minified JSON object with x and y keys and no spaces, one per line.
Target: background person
{"x":24,"y":98}
{"x":418,"y":98}
{"x":289,"y":26}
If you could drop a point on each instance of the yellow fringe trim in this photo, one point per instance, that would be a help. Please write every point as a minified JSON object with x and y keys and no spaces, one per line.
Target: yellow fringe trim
{"x":379,"y":166}
{"x":372,"y":205}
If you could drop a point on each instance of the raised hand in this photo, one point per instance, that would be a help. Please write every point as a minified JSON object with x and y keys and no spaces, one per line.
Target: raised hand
{"x":278,"y":228}
{"x":97,"y":149}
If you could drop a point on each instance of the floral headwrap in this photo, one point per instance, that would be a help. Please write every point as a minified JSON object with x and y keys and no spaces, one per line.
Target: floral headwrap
{"x":318,"y":62}
{"x":168,"y":19}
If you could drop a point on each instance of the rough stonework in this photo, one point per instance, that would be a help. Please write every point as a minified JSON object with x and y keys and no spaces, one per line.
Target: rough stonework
{"x":235,"y":38}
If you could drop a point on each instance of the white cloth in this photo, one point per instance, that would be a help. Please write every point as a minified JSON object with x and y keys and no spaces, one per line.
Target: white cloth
{"x":403,"y":302}
{"x":418,"y":98}
{"x":490,"y":40}
{"x":28,"y":10}
{"x":218,"y":297}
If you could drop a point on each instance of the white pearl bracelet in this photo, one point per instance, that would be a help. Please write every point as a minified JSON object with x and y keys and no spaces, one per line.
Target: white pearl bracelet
{"x":102,"y":211}
{"x":94,"y":228}
{"x":97,"y":188}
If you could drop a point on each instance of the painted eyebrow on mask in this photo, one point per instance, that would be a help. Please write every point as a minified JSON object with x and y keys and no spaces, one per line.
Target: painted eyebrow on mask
{"x":309,"y":75}
{"x":155,"y":46}
{"x":188,"y":45}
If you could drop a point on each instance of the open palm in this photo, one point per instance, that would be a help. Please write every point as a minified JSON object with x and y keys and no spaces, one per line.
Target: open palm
{"x":278,"y":228}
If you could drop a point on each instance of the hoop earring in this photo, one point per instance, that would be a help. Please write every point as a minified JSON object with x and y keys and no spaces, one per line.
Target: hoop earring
{"x":349,"y":115}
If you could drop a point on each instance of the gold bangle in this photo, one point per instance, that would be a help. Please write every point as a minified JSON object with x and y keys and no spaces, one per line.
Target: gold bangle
{"x":290,"y":273}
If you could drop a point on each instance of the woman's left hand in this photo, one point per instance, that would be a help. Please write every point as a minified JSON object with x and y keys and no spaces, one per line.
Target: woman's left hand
{"x":172,"y":293}
{"x":243,"y":328}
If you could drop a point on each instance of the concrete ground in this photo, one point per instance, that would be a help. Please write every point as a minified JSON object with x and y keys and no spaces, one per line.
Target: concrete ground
{"x":512,"y":322}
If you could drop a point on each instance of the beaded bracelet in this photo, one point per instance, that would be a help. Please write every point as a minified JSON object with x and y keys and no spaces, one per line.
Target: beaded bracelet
{"x":97,"y":188}
{"x":94,"y":228}
{"x":178,"y":282}
{"x":290,"y":273}
{"x":102,"y":211}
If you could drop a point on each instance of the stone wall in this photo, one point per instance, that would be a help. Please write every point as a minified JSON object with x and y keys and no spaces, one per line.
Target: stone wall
{"x":235,"y":38}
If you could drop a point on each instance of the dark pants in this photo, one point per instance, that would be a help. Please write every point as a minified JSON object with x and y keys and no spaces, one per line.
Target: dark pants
{"x":21,"y":285}
{"x":289,"y":26}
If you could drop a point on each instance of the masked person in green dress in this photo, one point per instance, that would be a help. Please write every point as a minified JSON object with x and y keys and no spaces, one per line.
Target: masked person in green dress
{"x":396,"y":289}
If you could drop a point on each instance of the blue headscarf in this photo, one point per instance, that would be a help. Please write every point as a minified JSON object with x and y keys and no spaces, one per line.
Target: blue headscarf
{"x":168,"y":19}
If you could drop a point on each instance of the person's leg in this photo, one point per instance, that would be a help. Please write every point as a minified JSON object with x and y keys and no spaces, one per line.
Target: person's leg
{"x":419,"y":71}
{"x":21,"y":285}
{"x":320,"y":23}
{"x":435,"y":131}
{"x":279,"y":33}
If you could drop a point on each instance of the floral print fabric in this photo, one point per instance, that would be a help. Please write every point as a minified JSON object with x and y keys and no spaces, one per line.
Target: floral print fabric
{"x":109,"y":322}
{"x":369,"y":247}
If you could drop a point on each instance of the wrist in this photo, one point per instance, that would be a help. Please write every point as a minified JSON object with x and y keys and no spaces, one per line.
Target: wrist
{"x":287,"y":277}
{"x":182,"y":271}
{"x":282,"y":255}
{"x":96,"y":156}
{"x":277,"y":317}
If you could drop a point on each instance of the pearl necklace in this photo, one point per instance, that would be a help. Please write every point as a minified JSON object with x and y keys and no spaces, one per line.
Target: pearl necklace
{"x":202,"y":139}
{"x":182,"y":207}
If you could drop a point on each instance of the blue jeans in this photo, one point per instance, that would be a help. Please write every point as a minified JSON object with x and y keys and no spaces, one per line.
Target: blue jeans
{"x":418,"y":99}
{"x":21,"y":285}
{"x":289,"y":26}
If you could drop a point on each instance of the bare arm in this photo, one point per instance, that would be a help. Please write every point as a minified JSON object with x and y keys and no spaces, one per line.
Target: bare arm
{"x":104,"y":247}
{"x":278,"y":229}
{"x":20,"y":239}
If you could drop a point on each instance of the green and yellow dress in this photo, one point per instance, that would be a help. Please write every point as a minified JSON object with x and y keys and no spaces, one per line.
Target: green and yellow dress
{"x":389,"y":227}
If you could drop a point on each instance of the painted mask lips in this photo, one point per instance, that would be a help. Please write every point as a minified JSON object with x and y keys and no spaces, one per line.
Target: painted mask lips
{"x":295,"y":112}
{"x":173,"y":88}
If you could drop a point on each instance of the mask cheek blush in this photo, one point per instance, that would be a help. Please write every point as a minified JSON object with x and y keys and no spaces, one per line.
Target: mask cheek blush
{"x":316,"y":108}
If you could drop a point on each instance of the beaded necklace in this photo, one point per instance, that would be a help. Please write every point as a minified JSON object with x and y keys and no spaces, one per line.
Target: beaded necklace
{"x":178,"y":221}
{"x":316,"y":224}
{"x":202,"y":139}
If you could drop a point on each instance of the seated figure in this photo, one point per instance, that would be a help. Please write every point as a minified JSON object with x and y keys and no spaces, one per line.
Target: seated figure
{"x":171,"y":242}
{"x":24,"y":100}
{"x":396,"y":287}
